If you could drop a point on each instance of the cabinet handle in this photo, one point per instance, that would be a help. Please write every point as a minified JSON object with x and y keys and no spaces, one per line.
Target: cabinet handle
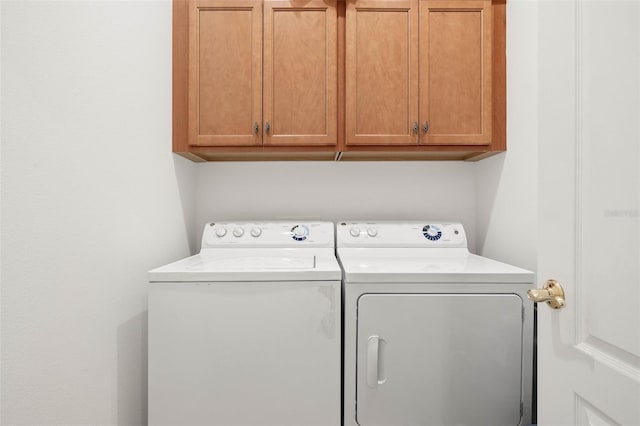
{"x":256,"y":128}
{"x":425,"y":127}
{"x":267,"y":128}
{"x":415,"y":128}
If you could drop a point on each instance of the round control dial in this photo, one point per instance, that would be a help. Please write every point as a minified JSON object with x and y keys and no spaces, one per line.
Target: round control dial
{"x":256,"y":232}
{"x":372,"y":232}
{"x":299,"y":232}
{"x":238,"y":232}
{"x":221,"y":232}
{"x":432,"y":232}
{"x":354,"y":231}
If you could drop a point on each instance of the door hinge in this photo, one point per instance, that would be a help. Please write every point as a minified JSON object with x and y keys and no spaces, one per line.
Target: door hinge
{"x":521,"y":409}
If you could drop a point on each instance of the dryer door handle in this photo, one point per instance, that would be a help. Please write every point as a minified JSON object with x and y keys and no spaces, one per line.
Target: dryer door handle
{"x":373,"y":346}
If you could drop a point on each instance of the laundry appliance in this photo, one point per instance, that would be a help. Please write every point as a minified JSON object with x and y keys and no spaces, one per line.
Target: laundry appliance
{"x":433,"y":335}
{"x":248,"y":331}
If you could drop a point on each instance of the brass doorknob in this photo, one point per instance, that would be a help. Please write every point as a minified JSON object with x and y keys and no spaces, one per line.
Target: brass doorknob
{"x":551,"y":292}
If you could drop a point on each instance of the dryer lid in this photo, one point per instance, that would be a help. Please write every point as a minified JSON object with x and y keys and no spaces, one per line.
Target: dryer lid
{"x":425,"y":266}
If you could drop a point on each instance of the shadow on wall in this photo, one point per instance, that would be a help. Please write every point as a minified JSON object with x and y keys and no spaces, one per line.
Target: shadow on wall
{"x":132,"y":371}
{"x":489,"y":173}
{"x":185,"y":178}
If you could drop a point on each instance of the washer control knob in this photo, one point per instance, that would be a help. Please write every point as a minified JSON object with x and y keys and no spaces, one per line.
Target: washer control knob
{"x":238,"y":232}
{"x":354,"y":231}
{"x":372,"y":232}
{"x":256,"y":232}
{"x":221,"y":232}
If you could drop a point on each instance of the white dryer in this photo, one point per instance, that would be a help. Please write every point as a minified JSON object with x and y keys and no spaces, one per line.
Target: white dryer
{"x":434,"y":335}
{"x":248,"y":331}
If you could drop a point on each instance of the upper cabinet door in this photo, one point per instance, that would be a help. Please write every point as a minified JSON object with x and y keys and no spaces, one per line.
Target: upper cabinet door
{"x":300,"y":72}
{"x":225,"y":72}
{"x":382,"y":72}
{"x":455,"y":72}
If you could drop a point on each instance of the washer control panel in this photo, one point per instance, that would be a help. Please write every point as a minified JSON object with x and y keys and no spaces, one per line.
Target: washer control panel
{"x":268,"y":234}
{"x":400,"y":234}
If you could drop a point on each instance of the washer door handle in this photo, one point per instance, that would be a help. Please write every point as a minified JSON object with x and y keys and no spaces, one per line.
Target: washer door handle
{"x":373,"y":346}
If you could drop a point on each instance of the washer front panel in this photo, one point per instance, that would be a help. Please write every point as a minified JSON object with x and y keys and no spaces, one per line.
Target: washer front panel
{"x":238,"y":354}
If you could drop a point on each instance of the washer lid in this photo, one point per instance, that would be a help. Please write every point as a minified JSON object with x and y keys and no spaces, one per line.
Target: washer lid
{"x":252,"y":265}
{"x":400,"y":265}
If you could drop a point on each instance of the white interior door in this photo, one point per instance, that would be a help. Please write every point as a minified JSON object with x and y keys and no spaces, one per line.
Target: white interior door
{"x":589,"y":129}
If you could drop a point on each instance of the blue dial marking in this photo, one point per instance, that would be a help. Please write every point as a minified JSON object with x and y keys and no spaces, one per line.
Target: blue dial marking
{"x":431,"y":232}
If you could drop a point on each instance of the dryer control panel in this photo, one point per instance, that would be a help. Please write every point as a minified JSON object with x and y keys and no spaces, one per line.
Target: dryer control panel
{"x":268,"y":234}
{"x":401,"y":234}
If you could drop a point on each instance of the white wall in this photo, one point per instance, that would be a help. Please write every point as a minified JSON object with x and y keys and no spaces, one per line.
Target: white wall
{"x":337,"y":191}
{"x":506,"y":196}
{"x":91,"y":199}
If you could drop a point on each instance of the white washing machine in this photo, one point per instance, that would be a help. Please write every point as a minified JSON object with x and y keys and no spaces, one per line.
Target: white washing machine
{"x":434,"y":335}
{"x":248,"y":331}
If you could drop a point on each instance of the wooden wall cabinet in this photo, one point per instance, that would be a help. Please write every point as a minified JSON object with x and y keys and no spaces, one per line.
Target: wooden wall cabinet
{"x":339,"y":79}
{"x":261,"y":74}
{"x":420,"y":79}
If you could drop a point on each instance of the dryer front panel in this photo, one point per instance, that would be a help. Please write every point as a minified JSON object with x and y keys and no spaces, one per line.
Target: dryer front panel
{"x":439,"y":359}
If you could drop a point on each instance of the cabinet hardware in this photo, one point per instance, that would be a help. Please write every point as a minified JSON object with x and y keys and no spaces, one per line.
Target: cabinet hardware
{"x":415,"y":128}
{"x":425,"y":127}
{"x":256,"y":128}
{"x":267,"y":128}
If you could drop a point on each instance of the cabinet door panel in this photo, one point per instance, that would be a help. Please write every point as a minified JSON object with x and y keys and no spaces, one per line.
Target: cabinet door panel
{"x":225,"y":72}
{"x":455,"y":71}
{"x":300,"y":72}
{"x":382,"y":72}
